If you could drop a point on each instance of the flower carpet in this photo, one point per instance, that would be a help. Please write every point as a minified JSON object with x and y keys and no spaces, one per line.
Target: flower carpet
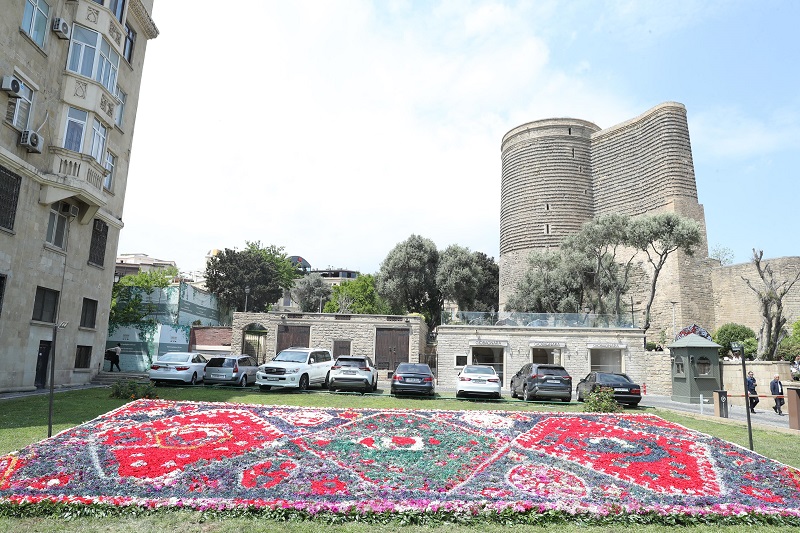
{"x":155,"y":453}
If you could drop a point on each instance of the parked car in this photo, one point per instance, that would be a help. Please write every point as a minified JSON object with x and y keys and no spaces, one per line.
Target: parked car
{"x":543,"y":381}
{"x":478,"y":379}
{"x":235,"y":370}
{"x":625,"y":390}
{"x":183,"y":367}
{"x":296,"y":367}
{"x":353,"y":372}
{"x":415,"y":378}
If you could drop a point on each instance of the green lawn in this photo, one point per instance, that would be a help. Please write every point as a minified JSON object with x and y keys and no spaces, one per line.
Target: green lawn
{"x":24,"y":421}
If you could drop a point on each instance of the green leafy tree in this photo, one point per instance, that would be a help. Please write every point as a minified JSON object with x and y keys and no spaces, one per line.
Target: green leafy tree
{"x":458,"y":276}
{"x":407,"y":279}
{"x":723,"y":254}
{"x":770,"y":293}
{"x":358,"y":296}
{"x":549,"y":285}
{"x":790,"y":346}
{"x":488,"y":291}
{"x":659,"y":236}
{"x":311,"y":292}
{"x":728,"y":333}
{"x":266,"y":271}
{"x":130,"y":298}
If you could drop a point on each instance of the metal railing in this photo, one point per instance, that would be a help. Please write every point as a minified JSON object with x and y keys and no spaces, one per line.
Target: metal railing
{"x":535,"y":320}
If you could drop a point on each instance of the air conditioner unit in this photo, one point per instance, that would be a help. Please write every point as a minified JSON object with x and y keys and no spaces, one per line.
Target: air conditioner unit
{"x":69,"y":209}
{"x":32,"y":141}
{"x":12,"y":86}
{"x":61,"y":28}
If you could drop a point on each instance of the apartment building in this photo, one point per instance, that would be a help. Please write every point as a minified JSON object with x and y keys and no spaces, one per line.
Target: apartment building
{"x":70,"y":73}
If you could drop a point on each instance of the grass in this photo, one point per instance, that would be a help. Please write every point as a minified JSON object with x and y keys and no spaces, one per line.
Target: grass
{"x":23,"y":421}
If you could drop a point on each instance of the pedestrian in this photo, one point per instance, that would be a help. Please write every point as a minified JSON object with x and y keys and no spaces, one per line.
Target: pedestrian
{"x":115,"y":358}
{"x":776,"y":388}
{"x":795,"y":368}
{"x":751,"y":392}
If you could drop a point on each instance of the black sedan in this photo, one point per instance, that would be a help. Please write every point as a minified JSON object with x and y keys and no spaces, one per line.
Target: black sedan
{"x":415,"y":378}
{"x":625,"y":391}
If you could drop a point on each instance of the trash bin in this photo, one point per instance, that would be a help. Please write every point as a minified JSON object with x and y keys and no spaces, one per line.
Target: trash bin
{"x":721,"y":403}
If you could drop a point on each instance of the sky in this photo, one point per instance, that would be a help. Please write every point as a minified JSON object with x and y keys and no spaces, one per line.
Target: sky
{"x":337,"y":129}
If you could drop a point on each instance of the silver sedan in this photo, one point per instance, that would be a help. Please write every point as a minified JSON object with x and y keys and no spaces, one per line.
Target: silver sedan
{"x":184,"y":367}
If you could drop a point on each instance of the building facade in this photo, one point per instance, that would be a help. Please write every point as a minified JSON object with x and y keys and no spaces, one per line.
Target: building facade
{"x":560,"y":173}
{"x":71,"y":72}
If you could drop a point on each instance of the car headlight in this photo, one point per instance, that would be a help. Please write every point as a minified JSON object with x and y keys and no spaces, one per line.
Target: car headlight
{"x":292,"y":370}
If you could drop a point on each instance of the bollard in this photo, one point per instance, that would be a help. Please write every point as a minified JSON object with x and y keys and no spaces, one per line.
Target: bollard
{"x":721,"y":403}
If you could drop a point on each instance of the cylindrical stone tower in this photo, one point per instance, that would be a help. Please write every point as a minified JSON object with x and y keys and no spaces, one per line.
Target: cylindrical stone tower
{"x":546,"y":191}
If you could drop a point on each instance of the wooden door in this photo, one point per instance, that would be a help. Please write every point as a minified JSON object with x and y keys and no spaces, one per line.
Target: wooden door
{"x":341,"y":348}
{"x":391,"y":348}
{"x":289,"y":336}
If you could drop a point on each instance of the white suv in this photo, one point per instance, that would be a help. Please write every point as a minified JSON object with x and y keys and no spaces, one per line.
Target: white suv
{"x":296,"y":368}
{"x":354,"y":372}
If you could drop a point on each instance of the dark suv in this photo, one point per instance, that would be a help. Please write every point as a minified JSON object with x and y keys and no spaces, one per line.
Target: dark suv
{"x":542,"y":381}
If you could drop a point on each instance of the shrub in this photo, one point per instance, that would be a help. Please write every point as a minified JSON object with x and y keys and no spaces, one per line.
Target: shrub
{"x":728,"y":333}
{"x":650,"y":346}
{"x":601,"y":401}
{"x":131,"y":390}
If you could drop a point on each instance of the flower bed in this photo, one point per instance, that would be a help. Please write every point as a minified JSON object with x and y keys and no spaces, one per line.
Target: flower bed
{"x":232,"y":457}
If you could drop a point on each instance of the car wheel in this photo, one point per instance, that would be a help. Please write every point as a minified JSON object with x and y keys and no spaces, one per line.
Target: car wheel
{"x":303,"y":385}
{"x":194,"y":378}
{"x":498,"y":396}
{"x":375,"y":385}
{"x":243,"y":381}
{"x":566,"y":400}
{"x":514,"y":392}
{"x":526,"y":394}
{"x":331,"y":386}
{"x":459,"y":394}
{"x":265,"y":387}
{"x":327,"y":380}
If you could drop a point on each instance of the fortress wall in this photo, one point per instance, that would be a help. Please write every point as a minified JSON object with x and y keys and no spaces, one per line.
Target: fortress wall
{"x":735,"y":302}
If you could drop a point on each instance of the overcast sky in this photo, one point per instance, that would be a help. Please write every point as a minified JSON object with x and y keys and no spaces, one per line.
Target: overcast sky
{"x":337,"y":129}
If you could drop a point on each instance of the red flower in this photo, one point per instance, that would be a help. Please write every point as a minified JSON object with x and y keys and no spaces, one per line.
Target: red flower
{"x":328,"y":486}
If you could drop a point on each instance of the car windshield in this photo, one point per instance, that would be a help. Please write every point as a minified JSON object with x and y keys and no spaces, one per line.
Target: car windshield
{"x":351,"y":362}
{"x":175,"y":357}
{"x":292,"y":356}
{"x":613,"y":378}
{"x":478,"y":370}
{"x":552,"y":371}
{"x":413,"y":369}
{"x":221,"y":362}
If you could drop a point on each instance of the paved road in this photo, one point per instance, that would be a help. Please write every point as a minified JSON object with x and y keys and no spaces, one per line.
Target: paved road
{"x":764,"y":416}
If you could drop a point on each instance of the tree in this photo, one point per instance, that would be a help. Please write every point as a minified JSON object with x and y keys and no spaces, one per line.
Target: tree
{"x":790,"y":346}
{"x":548,"y":286}
{"x":130,"y":303}
{"x":659,"y":236}
{"x":311,"y":292}
{"x":358,"y":296}
{"x":487,"y":295}
{"x":770,"y":297}
{"x":407,"y":279}
{"x":266,"y":271}
{"x":458,"y":276}
{"x":723,"y":254}
{"x":728,"y":333}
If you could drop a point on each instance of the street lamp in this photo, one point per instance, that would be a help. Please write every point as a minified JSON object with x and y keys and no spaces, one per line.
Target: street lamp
{"x":739,"y":347}
{"x":56,"y":327}
{"x":246,"y":294}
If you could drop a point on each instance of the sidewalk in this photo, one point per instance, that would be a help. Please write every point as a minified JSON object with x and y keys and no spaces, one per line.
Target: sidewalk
{"x":764,"y":417}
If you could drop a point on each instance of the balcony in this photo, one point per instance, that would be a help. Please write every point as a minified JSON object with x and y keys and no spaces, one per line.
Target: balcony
{"x":536,"y":320}
{"x":74,"y":175}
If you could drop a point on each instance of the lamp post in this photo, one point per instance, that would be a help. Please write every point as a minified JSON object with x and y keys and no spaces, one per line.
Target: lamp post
{"x":56,"y":327}
{"x":739,"y":347}
{"x":246,"y":294}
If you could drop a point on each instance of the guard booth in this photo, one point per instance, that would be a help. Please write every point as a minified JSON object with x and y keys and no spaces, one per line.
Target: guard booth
{"x":695,"y":369}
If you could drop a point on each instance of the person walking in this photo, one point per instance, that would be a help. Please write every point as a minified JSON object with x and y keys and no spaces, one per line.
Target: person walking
{"x":115,"y":358}
{"x":776,"y":388}
{"x":751,"y":392}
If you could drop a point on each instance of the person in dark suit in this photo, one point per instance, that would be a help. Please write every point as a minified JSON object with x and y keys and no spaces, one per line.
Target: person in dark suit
{"x":751,"y":392}
{"x":776,"y":388}
{"x":115,"y":351}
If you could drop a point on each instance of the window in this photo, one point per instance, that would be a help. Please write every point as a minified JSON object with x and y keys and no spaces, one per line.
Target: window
{"x":76,"y":126}
{"x":18,"y":111}
{"x":88,"y":313}
{"x":679,"y":368}
{"x":111,"y":163}
{"x":57,"y":225}
{"x":86,"y":61}
{"x":45,"y":305}
{"x":34,"y":20}
{"x":117,"y":7}
{"x":83,"y":356}
{"x":99,"y":134}
{"x":461,"y":360}
{"x":97,"y":249}
{"x":130,"y":40}
{"x":703,"y":366}
{"x":2,"y":290}
{"x":122,"y":97}
{"x":9,"y":194}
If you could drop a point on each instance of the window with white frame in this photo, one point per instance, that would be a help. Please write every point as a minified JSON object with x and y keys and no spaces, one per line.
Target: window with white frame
{"x":111,"y":164}
{"x":118,"y":8}
{"x":18,"y":111}
{"x":122,"y":97}
{"x":130,"y":40}
{"x":76,"y":126}
{"x":92,"y":56}
{"x":34,"y":20}
{"x":99,"y":135}
{"x":57,"y":225}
